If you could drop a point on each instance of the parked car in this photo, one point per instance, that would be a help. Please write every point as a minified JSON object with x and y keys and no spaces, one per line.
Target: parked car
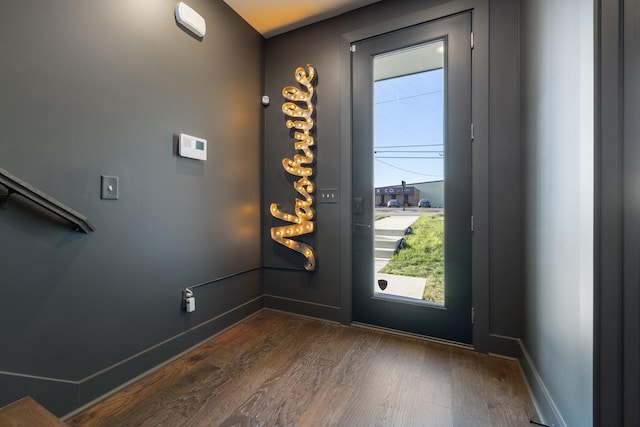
{"x":393,"y":203}
{"x":424,"y":203}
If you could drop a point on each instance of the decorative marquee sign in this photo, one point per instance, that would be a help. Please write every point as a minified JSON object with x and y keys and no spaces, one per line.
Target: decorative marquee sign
{"x":299,"y":108}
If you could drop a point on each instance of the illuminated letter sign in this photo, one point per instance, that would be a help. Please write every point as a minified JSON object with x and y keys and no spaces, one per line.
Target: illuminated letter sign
{"x":300,"y":108}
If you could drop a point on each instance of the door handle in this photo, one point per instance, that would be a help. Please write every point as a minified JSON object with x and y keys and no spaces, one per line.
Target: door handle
{"x":362,"y":225}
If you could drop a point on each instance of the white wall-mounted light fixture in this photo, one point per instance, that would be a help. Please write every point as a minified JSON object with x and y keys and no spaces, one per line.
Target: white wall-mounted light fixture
{"x":190,"y":19}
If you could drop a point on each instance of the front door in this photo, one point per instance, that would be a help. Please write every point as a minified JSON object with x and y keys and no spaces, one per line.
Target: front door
{"x":411,"y":213}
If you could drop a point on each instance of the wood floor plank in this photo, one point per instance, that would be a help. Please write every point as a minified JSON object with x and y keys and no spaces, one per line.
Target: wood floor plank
{"x":426,"y":414}
{"x":328,"y":406}
{"x":427,"y":387}
{"x":469,"y":404}
{"x":276,"y":369}
{"x":337,"y":347}
{"x":435,"y":385}
{"x":237,"y":421}
{"x":404,"y":358}
{"x":144,"y":399}
{"x":382,"y":394}
{"x":26,"y":412}
{"x":283,"y":398}
{"x":507,"y":395}
{"x":357,"y":359}
{"x":243,"y":374}
{"x":374,"y":401}
{"x":174,"y":382}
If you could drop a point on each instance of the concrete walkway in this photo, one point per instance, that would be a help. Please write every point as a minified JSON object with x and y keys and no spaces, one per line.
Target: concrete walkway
{"x":395,"y":223}
{"x":410,"y":287}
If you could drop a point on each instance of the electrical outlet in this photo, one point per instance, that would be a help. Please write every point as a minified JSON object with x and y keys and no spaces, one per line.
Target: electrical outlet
{"x":191,"y":304}
{"x":188,"y":300}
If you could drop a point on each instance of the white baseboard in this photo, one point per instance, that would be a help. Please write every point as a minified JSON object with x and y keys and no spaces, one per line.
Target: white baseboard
{"x":545,"y":406}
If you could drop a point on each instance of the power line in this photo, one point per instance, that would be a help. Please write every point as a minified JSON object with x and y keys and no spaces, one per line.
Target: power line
{"x":408,"y":97}
{"x":408,"y":146}
{"x":408,"y":151}
{"x":402,"y":127}
{"x":406,"y":170}
{"x":410,"y":157}
{"x":398,"y":85}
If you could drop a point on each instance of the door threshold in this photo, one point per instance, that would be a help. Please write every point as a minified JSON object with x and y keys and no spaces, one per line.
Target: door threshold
{"x":412,"y":335}
{"x":408,"y":300}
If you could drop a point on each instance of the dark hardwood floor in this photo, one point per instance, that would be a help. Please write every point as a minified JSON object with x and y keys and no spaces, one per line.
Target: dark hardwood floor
{"x":276,"y":369}
{"x":26,"y":412}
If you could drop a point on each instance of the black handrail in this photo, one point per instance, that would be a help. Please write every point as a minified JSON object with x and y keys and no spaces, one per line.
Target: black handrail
{"x":15,"y":185}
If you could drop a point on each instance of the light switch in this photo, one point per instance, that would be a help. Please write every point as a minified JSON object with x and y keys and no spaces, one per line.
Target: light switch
{"x":109,"y":187}
{"x":328,"y":195}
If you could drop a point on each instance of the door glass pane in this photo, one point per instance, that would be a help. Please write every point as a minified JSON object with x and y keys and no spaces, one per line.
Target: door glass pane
{"x":409,"y":173}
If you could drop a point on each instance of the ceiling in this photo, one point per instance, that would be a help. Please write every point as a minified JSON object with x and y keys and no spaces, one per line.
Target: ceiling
{"x":273,"y":17}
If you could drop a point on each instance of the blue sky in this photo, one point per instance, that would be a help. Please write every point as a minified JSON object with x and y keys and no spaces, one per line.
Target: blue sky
{"x":408,"y":129}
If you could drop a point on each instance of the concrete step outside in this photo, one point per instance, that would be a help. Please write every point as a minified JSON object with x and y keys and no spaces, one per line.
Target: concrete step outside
{"x":384,"y":253}
{"x":386,"y":246}
{"x":388,"y":242}
{"x":397,"y":232}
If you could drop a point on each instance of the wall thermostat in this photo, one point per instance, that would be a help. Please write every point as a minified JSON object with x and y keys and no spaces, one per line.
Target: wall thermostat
{"x":192,"y":147}
{"x":190,"y":19}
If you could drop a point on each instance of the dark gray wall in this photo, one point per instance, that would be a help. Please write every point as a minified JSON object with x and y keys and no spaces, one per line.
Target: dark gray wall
{"x":497,"y":285}
{"x":617,"y":341}
{"x":91,"y":88}
{"x":557,"y":133}
{"x":631,"y":211}
{"x":505,"y":170}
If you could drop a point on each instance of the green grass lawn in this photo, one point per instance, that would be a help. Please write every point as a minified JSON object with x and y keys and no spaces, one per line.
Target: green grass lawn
{"x":423,"y":256}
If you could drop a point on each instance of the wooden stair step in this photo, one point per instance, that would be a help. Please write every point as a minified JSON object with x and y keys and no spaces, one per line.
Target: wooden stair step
{"x":26,"y":412}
